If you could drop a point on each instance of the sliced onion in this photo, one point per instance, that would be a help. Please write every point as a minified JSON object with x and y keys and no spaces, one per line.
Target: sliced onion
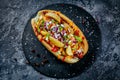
{"x":55,"y":29}
{"x":63,"y":32}
{"x":74,"y":41}
{"x":55,"y":35}
{"x":45,"y":26}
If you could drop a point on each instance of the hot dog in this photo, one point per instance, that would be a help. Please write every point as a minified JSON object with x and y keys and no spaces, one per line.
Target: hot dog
{"x":60,"y":35}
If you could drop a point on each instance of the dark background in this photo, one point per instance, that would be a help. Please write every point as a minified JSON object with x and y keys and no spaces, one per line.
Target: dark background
{"x":14,"y":15}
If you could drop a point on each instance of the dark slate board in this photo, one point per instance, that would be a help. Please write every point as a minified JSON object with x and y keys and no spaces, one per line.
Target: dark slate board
{"x":35,"y":52}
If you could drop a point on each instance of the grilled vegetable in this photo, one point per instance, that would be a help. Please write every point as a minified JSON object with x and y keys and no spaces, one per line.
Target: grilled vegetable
{"x":69,"y":51}
{"x":56,"y":42}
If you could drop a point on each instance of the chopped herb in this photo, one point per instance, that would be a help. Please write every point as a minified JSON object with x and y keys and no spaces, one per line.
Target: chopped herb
{"x":42,"y":22}
{"x":78,"y":39}
{"x":65,"y":36}
{"x":47,"y":36}
{"x":38,"y":29}
{"x":53,"y":21}
{"x":60,"y":28}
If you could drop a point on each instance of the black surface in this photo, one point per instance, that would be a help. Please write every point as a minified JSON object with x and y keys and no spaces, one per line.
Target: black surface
{"x":35,"y":52}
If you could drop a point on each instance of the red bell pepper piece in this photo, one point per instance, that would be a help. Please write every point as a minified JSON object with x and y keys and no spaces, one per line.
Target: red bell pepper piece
{"x":76,"y":33}
{"x":55,"y":49}
{"x":80,"y":55}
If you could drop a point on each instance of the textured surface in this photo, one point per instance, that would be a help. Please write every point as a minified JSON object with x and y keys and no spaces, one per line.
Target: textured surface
{"x":14,"y":17}
{"x":36,"y":53}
